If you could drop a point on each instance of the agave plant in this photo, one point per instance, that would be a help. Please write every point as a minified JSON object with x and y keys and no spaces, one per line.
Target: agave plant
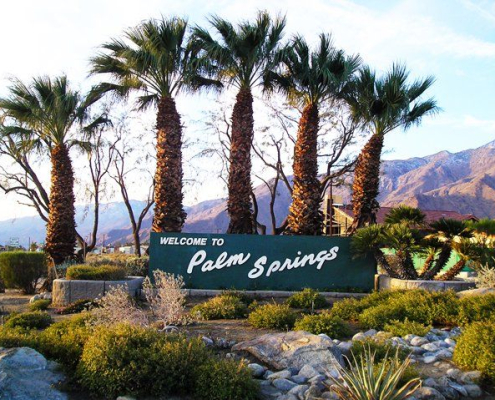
{"x":365,"y":381}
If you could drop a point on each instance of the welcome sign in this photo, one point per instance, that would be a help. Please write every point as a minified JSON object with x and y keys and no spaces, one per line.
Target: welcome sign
{"x":256,"y":262}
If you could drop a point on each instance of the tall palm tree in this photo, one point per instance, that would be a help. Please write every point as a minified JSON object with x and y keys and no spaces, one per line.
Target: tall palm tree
{"x":244,"y":57}
{"x":313,"y":77}
{"x":382,"y":104}
{"x":155,"y":61}
{"x":45,"y":111}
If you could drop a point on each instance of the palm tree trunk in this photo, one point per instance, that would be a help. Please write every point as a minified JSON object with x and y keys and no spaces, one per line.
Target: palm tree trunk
{"x":239,"y":205}
{"x":428,"y":263}
{"x":305,"y":217}
{"x":442,"y":260}
{"x":169,"y":213}
{"x":366,"y":183}
{"x":452,"y":272}
{"x":383,"y":262}
{"x":61,"y":228}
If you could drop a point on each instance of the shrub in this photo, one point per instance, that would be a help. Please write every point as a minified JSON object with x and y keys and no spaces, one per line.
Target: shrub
{"x":325,"y":323}
{"x":486,"y":277}
{"x":29,"y":320}
{"x":399,"y":328}
{"x":350,"y":309}
{"x":380,"y":349}
{"x":309,"y":299}
{"x":368,"y":379}
{"x":100,"y":273}
{"x":476,"y":309}
{"x":224,"y":306}
{"x":78,"y":306}
{"x":17,"y":337}
{"x":22,"y":270}
{"x":225,"y":380}
{"x":475,"y":348}
{"x":273,"y":316}
{"x":39,"y":305}
{"x":137,"y":266}
{"x":139,"y":361}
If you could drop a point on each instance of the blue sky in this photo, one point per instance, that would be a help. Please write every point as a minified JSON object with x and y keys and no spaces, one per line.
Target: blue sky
{"x":454,"y":40}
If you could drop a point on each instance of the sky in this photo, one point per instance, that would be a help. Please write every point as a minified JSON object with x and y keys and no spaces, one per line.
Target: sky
{"x":453,"y":40}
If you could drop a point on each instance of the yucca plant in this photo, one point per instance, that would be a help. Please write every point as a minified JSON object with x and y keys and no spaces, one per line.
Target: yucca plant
{"x":365,"y":381}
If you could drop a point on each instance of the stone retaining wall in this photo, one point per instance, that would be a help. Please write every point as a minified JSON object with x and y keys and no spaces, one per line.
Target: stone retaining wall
{"x":383,"y":282}
{"x":68,"y":291}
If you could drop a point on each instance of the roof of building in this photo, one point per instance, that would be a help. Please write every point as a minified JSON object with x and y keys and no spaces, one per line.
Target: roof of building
{"x":431,"y":215}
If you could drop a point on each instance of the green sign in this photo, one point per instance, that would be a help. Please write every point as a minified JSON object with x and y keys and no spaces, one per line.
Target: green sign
{"x":255,"y":262}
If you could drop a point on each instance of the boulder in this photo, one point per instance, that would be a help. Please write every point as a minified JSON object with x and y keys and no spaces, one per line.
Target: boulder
{"x":428,"y":393}
{"x":294,"y":349}
{"x":25,"y":375}
{"x":475,"y":292}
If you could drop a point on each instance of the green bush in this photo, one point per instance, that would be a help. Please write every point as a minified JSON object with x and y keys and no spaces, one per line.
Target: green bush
{"x":476,"y":309}
{"x":380,"y":349}
{"x":225,"y":380}
{"x":224,"y":306}
{"x":325,"y":323}
{"x":273,"y":316}
{"x":350,"y":309}
{"x":39,"y":305}
{"x":137,"y":266}
{"x":17,"y":337}
{"x":309,"y":299}
{"x":475,"y":349}
{"x":29,"y":320}
{"x":399,"y":328}
{"x":22,"y":270}
{"x":100,"y":273}
{"x":77,"y":307}
{"x":139,"y":361}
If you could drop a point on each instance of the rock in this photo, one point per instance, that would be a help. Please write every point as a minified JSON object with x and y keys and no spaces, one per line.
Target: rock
{"x":308,"y":371}
{"x":430,"y":382}
{"x":471,"y":377}
{"x":418,"y":341}
{"x":410,"y":337}
{"x":454,"y":373}
{"x":330,"y":396}
{"x":370,"y":333}
{"x":450,"y":342}
{"x":417,"y":350}
{"x":313,"y":393}
{"x":432,"y":337}
{"x":36,"y":297}
{"x":299,"y":379}
{"x":473,"y":391}
{"x":345,"y":348}
{"x":268,"y":392}
{"x":257,"y":370}
{"x":283,"y":384}
{"x":359,"y":336}
{"x":444,"y":355}
{"x":284,"y":374}
{"x":25,"y":374}
{"x":207,"y":341}
{"x":430,"y":347}
{"x":430,"y":359}
{"x":324,"y":336}
{"x":299,"y":390}
{"x":428,"y":393}
{"x":459,"y":388}
{"x":475,"y":292}
{"x":448,"y":392}
{"x":293,"y":349}
{"x":287,"y":396}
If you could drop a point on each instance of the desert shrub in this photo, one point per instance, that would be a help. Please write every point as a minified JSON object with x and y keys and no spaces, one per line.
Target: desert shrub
{"x":78,"y":306}
{"x":476,"y":309}
{"x":22,"y":270}
{"x":225,"y":380}
{"x":350,"y":309}
{"x":137,"y":266}
{"x":97,"y":273}
{"x":475,"y":349}
{"x":367,"y":378}
{"x":64,"y":341}
{"x":29,"y":320}
{"x":139,"y":361}
{"x":428,"y":308}
{"x":325,"y":323}
{"x":224,"y":306}
{"x":273,"y":316}
{"x":39,"y":305}
{"x":406,"y":327}
{"x":380,"y":348}
{"x":166,"y":298}
{"x":486,"y":277}
{"x":17,"y":337}
{"x":309,"y":299}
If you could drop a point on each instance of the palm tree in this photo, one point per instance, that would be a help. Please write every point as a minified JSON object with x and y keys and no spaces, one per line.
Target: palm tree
{"x":244,"y":57}
{"x":382,"y":105}
{"x":313,"y":77}
{"x":403,"y":214}
{"x":448,"y":232}
{"x":45,"y":112}
{"x":468,"y":251}
{"x":154,"y":60}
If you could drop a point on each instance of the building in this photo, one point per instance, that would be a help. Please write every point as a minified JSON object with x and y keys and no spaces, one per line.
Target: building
{"x":342,"y":217}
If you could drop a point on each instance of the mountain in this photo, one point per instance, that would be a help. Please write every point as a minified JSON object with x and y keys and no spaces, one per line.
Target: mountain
{"x":463,"y":182}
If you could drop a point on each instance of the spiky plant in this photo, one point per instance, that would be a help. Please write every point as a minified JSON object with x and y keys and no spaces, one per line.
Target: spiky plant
{"x":405,"y":215}
{"x":46,"y":112}
{"x":382,"y":104}
{"x":244,"y":57}
{"x":154,"y":60}
{"x":405,"y":242}
{"x":311,"y":78}
{"x":365,"y":380}
{"x":467,"y":251}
